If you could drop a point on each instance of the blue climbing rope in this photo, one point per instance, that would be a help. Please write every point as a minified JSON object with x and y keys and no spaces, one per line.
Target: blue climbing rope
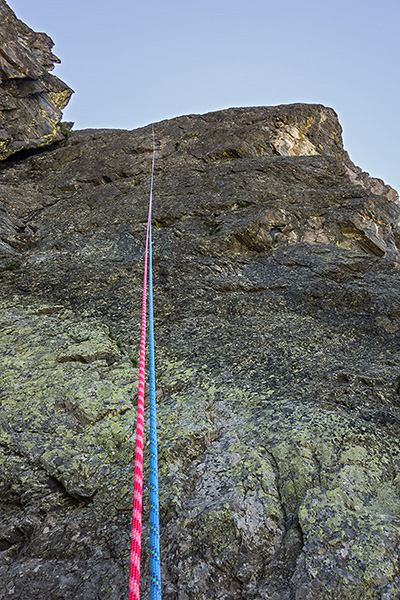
{"x":155,"y":573}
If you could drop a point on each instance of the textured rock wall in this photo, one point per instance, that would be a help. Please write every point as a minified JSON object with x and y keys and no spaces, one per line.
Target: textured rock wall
{"x":31,"y":99}
{"x":277,"y":304}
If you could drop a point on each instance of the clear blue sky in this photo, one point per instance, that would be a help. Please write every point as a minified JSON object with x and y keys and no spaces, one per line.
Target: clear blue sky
{"x":132,"y":63}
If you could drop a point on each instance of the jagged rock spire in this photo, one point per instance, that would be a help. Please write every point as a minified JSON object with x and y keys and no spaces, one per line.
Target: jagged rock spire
{"x":31,"y":99}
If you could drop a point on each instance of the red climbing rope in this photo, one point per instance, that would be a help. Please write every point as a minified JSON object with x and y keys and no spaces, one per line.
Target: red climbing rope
{"x":134,"y":572}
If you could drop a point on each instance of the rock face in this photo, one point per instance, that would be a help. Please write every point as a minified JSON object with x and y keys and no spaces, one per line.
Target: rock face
{"x":276,"y":265}
{"x":31,"y":100}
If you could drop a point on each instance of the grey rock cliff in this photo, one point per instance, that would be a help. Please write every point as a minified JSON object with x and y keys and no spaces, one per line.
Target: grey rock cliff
{"x":277,"y":305}
{"x":277,"y":319}
{"x":31,"y":99}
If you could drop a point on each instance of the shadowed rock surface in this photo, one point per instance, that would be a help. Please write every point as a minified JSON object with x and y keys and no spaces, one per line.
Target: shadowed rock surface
{"x":31,"y":99}
{"x":277,"y":306}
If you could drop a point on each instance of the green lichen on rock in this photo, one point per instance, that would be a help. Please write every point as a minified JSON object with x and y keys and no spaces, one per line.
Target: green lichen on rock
{"x":358,"y":557}
{"x":277,"y":316}
{"x":68,"y":419}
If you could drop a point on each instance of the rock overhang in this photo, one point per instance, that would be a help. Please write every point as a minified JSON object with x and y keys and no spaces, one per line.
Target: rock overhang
{"x":31,"y":99}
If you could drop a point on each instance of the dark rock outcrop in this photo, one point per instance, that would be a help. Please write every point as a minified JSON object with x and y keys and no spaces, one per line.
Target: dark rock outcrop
{"x":277,"y":320}
{"x":31,"y":99}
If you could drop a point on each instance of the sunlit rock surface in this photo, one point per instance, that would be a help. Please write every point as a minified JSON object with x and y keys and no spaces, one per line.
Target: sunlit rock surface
{"x":31,"y":99}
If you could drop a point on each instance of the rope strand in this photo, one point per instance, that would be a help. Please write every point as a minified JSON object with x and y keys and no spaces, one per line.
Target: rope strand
{"x":134,"y":571}
{"x":155,"y":575}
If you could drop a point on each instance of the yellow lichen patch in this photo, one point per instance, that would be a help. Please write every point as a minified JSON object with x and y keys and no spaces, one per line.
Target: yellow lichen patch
{"x":60,"y":98}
